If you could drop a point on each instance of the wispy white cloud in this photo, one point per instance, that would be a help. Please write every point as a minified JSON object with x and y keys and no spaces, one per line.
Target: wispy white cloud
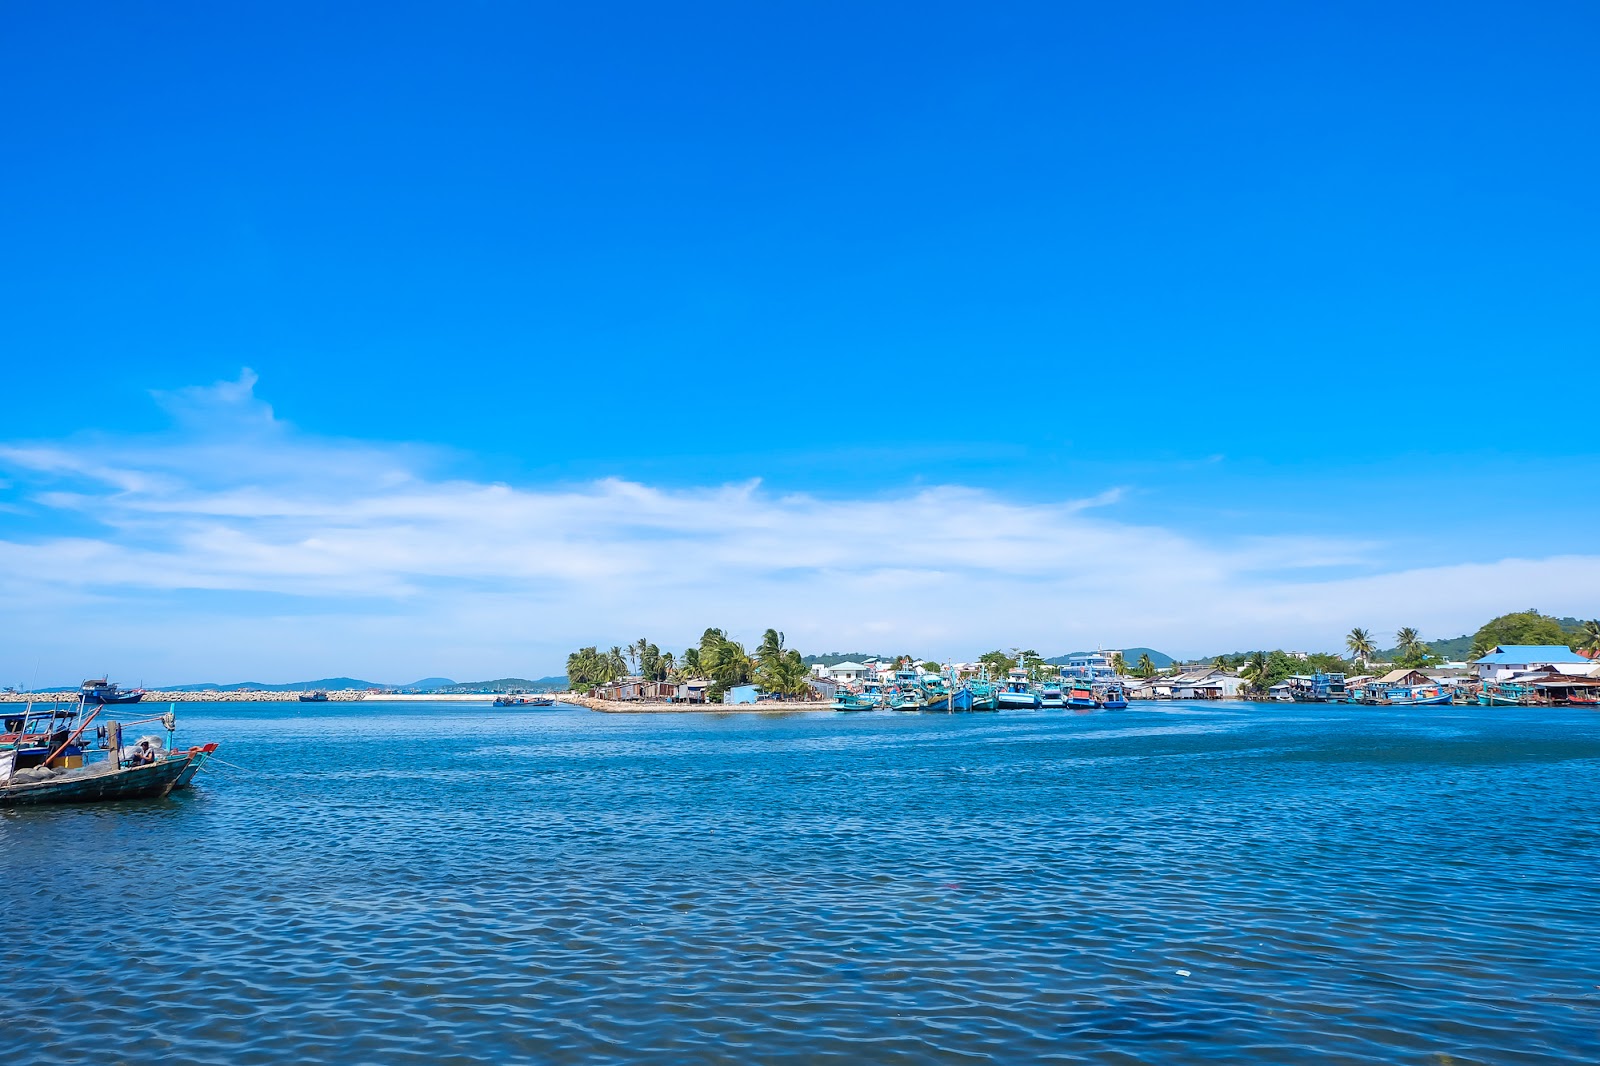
{"x":239,"y":545}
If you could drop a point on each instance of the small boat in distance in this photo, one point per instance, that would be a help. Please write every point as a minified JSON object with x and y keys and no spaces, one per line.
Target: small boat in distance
{"x":318,"y":696}
{"x":516,"y":700}
{"x":1112,"y":697}
{"x":98,"y":690}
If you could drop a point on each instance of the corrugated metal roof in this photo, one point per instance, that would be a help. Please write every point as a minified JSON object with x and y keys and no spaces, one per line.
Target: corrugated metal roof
{"x":1533,"y":653}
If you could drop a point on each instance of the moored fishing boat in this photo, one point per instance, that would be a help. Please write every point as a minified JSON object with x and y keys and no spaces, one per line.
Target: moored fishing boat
{"x":1506,"y":694}
{"x":1050,"y":694}
{"x":1318,"y":688}
{"x":1418,"y":696}
{"x":949,"y":702}
{"x":984,"y":695}
{"x":1017,"y":693}
{"x":905,"y":693}
{"x":1112,"y":696}
{"x":1080,"y":694}
{"x":318,"y":696}
{"x":44,"y":759}
{"x":846,"y":700}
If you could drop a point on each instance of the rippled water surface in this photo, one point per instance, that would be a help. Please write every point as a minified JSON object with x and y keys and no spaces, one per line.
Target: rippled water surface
{"x":1181,"y":883}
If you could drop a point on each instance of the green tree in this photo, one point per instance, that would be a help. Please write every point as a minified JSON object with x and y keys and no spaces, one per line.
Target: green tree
{"x":1257,"y":672}
{"x":619,"y":665}
{"x":588,"y":668}
{"x":931,"y":667}
{"x":726,"y":664}
{"x":669,"y":667}
{"x":1521,"y":627}
{"x":1360,"y":644}
{"x":1119,"y":665}
{"x":1146,"y":667}
{"x":1589,"y":638}
{"x":1222,"y":662}
{"x":998,"y":663}
{"x":691,"y":662}
{"x":784,"y":673}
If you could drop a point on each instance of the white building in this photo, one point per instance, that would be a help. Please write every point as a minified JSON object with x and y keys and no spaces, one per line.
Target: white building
{"x":1504,"y":660}
{"x":848,"y":671}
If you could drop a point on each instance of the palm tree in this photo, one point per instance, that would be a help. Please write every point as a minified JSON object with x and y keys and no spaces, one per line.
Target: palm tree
{"x":1589,"y":638}
{"x":669,"y":666}
{"x":771,"y":646}
{"x":691,"y":661}
{"x":1256,"y":670}
{"x":728,"y":665}
{"x":1147,"y":666}
{"x":1119,"y":665}
{"x":1222,"y":662}
{"x":619,"y":665}
{"x":1408,"y":641}
{"x":1360,"y":644}
{"x":587,"y":668}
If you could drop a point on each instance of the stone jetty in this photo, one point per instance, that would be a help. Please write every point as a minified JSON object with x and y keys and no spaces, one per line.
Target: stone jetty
{"x":157,"y":696}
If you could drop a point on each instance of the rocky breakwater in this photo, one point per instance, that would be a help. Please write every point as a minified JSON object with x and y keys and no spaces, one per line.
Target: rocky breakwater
{"x":157,"y":696}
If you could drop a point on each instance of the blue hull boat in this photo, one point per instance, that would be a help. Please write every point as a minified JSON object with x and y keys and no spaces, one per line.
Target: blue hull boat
{"x":948,"y":703}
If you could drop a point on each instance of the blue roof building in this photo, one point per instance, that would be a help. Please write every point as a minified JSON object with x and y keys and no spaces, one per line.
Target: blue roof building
{"x":1506,"y":659}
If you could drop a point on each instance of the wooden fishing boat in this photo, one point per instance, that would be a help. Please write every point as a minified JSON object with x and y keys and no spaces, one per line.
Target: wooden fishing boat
{"x":99,"y":690}
{"x":948,"y":702}
{"x":1050,"y":694}
{"x":1418,"y":696}
{"x":856,"y":701}
{"x":44,"y":759}
{"x":1080,"y":694}
{"x":985,"y":696}
{"x":1506,"y":694}
{"x":1112,"y":697}
{"x":102,"y":781}
{"x":1578,"y":700}
{"x":1017,"y":693}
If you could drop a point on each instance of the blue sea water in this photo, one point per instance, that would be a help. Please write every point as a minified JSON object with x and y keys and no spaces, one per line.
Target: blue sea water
{"x":1174,"y":883}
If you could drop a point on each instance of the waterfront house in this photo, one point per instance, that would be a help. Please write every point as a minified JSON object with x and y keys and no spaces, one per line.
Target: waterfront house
{"x":846,"y":672}
{"x":823,"y":688}
{"x":692,"y":690}
{"x":740,"y":694}
{"x":1399,"y":678}
{"x":1205,"y":684}
{"x":1506,"y":659}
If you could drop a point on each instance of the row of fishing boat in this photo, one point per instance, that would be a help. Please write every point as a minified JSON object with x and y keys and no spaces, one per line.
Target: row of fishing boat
{"x":913,"y":690}
{"x":48,"y":755}
{"x":1417,"y":690}
{"x":1331,"y":688}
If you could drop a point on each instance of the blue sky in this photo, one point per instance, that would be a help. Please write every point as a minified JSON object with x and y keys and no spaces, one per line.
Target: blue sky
{"x":1267,"y":284}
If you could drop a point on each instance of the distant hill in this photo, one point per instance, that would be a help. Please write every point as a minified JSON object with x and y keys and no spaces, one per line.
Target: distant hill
{"x":430,"y":682}
{"x":1129,"y":655}
{"x":834,"y":658}
{"x":330,"y":683}
{"x":553,"y":683}
{"x":1459,"y":648}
